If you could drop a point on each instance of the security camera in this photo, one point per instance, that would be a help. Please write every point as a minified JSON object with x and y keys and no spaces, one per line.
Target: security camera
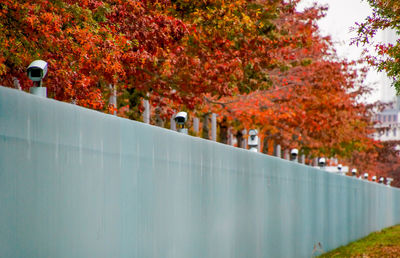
{"x":381,"y":180}
{"x":253,"y":140}
{"x":321,"y":162}
{"x":294,"y":153}
{"x":389,"y":180}
{"x":353,"y":172}
{"x":373,"y":178}
{"x":37,"y":70}
{"x":339,"y":167}
{"x":253,"y":133}
{"x":365,"y":175}
{"x":180,"y":120}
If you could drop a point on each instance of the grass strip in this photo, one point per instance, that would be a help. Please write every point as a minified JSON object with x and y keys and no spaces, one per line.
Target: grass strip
{"x":385,"y":243}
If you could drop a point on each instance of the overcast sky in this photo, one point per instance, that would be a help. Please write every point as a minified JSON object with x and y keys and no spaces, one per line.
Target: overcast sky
{"x":341,"y":16}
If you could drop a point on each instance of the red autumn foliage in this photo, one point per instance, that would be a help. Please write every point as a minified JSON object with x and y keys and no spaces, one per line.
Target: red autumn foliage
{"x":257,"y":64}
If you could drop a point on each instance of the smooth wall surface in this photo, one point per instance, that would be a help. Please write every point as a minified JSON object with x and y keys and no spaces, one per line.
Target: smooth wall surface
{"x":79,"y":183}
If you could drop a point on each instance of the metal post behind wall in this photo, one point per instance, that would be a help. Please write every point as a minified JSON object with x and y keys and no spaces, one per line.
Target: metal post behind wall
{"x":230,"y":136}
{"x":196,"y":123}
{"x":303,"y":159}
{"x":278,"y":151}
{"x":146,"y":113}
{"x":214,"y":127}
{"x":16,"y":83}
{"x":286,"y":154}
{"x":315,"y":162}
{"x":173,"y":124}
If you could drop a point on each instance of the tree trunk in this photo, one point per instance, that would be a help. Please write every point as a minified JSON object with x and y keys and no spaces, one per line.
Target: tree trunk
{"x":223,"y":131}
{"x":265,"y":145}
{"x":205,"y":133}
{"x":239,"y":139}
{"x":158,"y":120}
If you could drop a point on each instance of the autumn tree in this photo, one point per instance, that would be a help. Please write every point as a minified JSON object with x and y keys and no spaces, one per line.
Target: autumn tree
{"x":311,"y":101}
{"x":64,"y":35}
{"x":88,"y":45}
{"x":385,"y":17}
{"x":388,"y":161}
{"x":231,"y":47}
{"x":256,"y":63}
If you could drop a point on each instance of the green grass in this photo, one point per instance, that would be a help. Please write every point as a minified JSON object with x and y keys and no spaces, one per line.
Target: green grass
{"x":385,"y":243}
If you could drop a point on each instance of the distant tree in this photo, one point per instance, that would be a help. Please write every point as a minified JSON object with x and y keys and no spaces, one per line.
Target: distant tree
{"x":382,"y":160}
{"x":385,"y":16}
{"x":312,"y":98}
{"x":388,"y":161}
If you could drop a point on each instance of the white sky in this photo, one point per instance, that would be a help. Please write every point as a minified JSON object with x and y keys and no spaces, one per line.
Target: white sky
{"x":341,"y":16}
